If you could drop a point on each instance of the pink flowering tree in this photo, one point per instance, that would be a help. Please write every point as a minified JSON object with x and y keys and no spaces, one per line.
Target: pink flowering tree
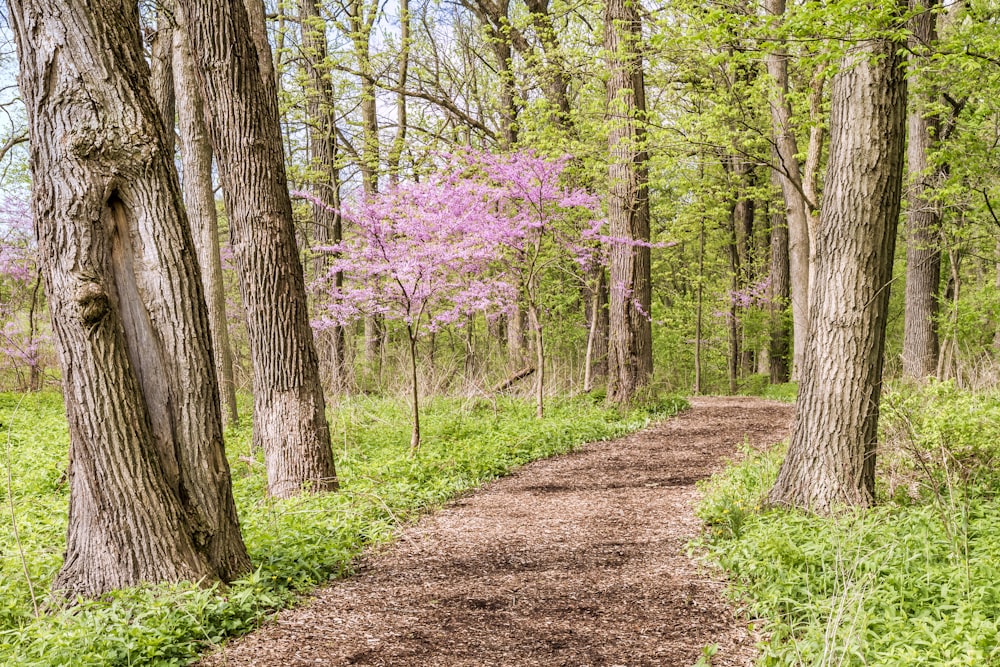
{"x":424,"y":254}
{"x":19,"y":288}
{"x":549,"y":230}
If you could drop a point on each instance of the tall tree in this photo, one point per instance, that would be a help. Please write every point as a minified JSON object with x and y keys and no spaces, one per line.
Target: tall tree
{"x":630,"y":345}
{"x":289,"y":408}
{"x":923,"y":220}
{"x":323,"y":173}
{"x":796,"y":203}
{"x":831,"y":459}
{"x":779,"y":292}
{"x":150,"y":496}
{"x":199,"y":200}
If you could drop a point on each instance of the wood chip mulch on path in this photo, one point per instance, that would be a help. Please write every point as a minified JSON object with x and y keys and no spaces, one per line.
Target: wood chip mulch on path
{"x":576,"y":560}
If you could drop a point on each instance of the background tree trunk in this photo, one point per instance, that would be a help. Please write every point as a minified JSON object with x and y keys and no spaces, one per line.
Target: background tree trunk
{"x":323,"y":174}
{"x":796,"y":206}
{"x":630,"y":346}
{"x":831,"y":459}
{"x":199,"y":200}
{"x":289,"y":409}
{"x":779,"y":292}
{"x":150,"y":495}
{"x":923,"y":249}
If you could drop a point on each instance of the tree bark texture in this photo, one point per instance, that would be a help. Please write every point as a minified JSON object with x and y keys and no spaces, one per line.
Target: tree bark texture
{"x":289,"y":409}
{"x":150,"y":495}
{"x":161,"y":79}
{"x":778,"y":296}
{"x":323,"y":171}
{"x":630,"y":348}
{"x":923,"y":221}
{"x":831,"y":459}
{"x":796,"y":207}
{"x":199,"y":200}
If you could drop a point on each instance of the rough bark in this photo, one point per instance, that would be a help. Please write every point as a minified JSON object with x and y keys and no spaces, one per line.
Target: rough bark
{"x":324,"y":171}
{"x":923,"y":250}
{"x":779,"y":293}
{"x":399,"y":141}
{"x":161,"y":79}
{"x":796,"y":206}
{"x":150,"y":496}
{"x":831,"y":459}
{"x":289,"y":409}
{"x":630,"y":353}
{"x":199,"y":200}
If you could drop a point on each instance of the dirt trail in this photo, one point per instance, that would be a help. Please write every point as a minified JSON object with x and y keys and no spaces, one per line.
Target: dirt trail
{"x":576,"y":560}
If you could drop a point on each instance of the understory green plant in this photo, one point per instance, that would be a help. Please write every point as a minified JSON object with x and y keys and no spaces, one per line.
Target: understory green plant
{"x":913,"y":581}
{"x":295,"y":544}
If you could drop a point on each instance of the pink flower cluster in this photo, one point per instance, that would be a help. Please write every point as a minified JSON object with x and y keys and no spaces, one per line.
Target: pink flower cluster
{"x":434,"y":252}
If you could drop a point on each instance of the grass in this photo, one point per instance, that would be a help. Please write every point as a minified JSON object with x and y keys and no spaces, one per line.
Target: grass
{"x":295,"y":545}
{"x":916,"y":580}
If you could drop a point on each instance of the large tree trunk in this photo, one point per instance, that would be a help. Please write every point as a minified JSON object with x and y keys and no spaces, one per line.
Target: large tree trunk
{"x":923,"y":249}
{"x":199,"y":200}
{"x":630,"y":347}
{"x":831,"y":459}
{"x":150,"y":496}
{"x":289,"y":409}
{"x":324,"y":171}
{"x":796,"y":205}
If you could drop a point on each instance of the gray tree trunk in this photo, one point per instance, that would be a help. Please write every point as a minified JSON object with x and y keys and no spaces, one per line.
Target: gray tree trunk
{"x":150,"y":495}
{"x":323,"y":172}
{"x":778,"y":295}
{"x":796,"y":206}
{"x":923,"y":249}
{"x":289,"y":409}
{"x":199,"y":200}
{"x":831,"y":459}
{"x":630,"y":348}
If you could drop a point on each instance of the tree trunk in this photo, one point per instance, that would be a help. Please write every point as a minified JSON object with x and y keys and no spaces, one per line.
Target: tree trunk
{"x":289,"y":409}
{"x":732,"y":320}
{"x":831,"y":459}
{"x":399,"y":142}
{"x":199,"y":200}
{"x":161,"y":79}
{"x":779,"y":291}
{"x":323,"y":172}
{"x":536,"y":326}
{"x":630,"y":348}
{"x":150,"y":495}
{"x":796,"y":205}
{"x":923,"y":250}
{"x":596,"y":365}
{"x":362,"y":14}
{"x":414,"y":390}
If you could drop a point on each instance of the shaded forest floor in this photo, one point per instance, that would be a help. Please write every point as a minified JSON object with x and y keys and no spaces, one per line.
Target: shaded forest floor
{"x":576,"y":560}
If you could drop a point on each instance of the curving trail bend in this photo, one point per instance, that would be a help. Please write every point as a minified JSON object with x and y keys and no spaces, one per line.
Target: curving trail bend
{"x":576,"y":560}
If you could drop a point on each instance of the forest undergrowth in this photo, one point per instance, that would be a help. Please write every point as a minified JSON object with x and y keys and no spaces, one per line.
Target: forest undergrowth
{"x":913,"y":581}
{"x":295,"y":544}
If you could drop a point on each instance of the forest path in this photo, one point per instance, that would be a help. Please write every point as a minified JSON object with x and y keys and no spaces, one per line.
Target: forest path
{"x":574,"y":560}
